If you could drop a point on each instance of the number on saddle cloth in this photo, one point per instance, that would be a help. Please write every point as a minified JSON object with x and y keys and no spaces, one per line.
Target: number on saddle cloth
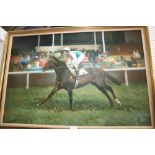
{"x":82,"y":71}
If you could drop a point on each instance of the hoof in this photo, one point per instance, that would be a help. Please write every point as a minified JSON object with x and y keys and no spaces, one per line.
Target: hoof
{"x":118,"y":102}
{"x":38,"y":104}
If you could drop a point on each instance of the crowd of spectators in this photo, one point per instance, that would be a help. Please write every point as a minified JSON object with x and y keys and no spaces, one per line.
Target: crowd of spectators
{"x":27,"y":60}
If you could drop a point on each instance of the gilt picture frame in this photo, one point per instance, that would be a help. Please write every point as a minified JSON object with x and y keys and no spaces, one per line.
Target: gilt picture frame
{"x":123,"y":52}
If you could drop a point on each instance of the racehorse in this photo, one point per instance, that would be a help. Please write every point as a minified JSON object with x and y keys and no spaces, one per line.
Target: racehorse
{"x":66,"y":80}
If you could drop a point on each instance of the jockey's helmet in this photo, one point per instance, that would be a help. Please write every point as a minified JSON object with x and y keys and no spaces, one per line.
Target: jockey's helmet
{"x":67,"y":49}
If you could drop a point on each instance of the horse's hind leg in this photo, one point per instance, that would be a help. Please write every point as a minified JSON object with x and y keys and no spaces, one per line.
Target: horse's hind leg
{"x":112,"y":92}
{"x":104,"y":91}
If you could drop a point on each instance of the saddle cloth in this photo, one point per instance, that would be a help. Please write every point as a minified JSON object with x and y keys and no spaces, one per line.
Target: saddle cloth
{"x":82,"y":71}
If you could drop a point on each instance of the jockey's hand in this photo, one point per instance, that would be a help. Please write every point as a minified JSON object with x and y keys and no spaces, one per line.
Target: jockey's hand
{"x":70,"y":66}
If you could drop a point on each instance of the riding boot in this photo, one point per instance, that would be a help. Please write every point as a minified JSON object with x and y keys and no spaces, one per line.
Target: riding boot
{"x":77,"y":73}
{"x":77,"y":78}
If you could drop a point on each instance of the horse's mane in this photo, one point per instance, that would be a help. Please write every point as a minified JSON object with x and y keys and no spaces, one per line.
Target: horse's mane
{"x":59,"y":61}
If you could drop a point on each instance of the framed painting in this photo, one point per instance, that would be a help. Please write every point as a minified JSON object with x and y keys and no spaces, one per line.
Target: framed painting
{"x":84,"y":77}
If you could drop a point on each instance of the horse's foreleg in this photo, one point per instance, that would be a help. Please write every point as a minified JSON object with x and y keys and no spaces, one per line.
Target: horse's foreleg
{"x":55,"y":89}
{"x":70,"y":94}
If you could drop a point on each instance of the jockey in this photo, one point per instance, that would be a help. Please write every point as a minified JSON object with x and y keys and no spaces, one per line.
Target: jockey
{"x":74,"y":58}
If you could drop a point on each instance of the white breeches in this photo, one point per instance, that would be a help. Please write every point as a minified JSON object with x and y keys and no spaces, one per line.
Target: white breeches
{"x":78,"y":61}
{"x":75,"y":63}
{"x":80,"y":58}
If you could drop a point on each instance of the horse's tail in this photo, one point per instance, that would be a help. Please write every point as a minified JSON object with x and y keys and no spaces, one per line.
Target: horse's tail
{"x":112,"y":78}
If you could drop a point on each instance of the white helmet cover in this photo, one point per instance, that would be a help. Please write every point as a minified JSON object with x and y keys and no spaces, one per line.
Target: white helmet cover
{"x":66,"y":49}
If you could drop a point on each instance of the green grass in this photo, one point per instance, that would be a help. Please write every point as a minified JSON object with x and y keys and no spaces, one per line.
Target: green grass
{"x":91,"y":107}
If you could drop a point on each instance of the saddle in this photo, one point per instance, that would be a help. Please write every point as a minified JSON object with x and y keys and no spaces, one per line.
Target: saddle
{"x":76,"y":74}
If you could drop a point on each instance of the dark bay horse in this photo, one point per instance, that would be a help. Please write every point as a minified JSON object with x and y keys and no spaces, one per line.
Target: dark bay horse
{"x":65,"y":80}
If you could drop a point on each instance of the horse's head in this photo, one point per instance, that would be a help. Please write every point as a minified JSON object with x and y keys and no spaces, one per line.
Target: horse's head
{"x":49,"y":64}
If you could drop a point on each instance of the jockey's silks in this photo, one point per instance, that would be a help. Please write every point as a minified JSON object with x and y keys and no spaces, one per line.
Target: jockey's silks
{"x":70,"y":56}
{"x":77,"y":53}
